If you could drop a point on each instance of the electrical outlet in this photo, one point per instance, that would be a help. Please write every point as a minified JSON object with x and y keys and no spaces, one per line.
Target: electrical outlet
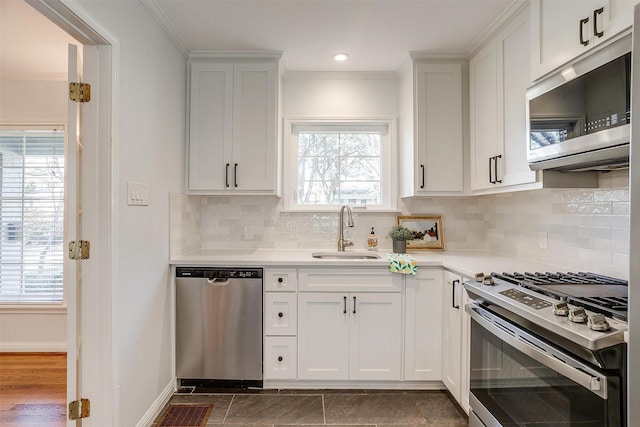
{"x":543,"y":241}
{"x":293,"y":231}
{"x":248,"y":232}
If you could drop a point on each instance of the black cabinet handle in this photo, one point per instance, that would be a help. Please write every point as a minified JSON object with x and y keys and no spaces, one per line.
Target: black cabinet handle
{"x":453,"y":294}
{"x":345,"y":305}
{"x":280,"y":359}
{"x":495,"y":170}
{"x":595,"y":22}
{"x":422,"y":168}
{"x":582,"y":40}
{"x":280,"y":280}
{"x":235,"y":175}
{"x":280,"y":314}
{"x":226,"y":175}
{"x":491,"y":181}
{"x":354,"y":305}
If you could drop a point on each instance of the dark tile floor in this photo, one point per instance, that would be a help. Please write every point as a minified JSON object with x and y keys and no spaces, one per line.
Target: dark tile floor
{"x":309,"y":408}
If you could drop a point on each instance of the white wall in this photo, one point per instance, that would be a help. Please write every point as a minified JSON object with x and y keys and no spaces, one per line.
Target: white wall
{"x":24,"y":102}
{"x":151,"y":78}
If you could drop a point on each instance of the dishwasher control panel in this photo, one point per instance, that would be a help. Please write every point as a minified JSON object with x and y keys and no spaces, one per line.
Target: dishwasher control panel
{"x":219,"y":273}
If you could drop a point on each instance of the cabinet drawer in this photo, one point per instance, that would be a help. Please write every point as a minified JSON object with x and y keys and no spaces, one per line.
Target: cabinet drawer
{"x":280,"y":358}
{"x":349,"y":280}
{"x":280,"y":314}
{"x":281,"y":279}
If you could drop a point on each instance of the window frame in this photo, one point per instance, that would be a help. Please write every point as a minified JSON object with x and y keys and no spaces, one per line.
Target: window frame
{"x":388,"y":156}
{"x":44,"y":307}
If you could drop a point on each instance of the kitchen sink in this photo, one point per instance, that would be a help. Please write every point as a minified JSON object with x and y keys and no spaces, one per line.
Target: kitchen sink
{"x":345,"y":255}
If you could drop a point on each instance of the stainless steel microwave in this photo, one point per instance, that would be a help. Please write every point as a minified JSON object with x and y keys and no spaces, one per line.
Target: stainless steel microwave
{"x":579,"y":118}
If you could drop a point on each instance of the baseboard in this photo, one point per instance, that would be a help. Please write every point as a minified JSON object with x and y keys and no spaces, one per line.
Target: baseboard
{"x":33,"y":347}
{"x":157,"y":406}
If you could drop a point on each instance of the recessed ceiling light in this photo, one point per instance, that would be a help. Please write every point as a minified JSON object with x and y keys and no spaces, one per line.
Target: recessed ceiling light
{"x":340,"y":56}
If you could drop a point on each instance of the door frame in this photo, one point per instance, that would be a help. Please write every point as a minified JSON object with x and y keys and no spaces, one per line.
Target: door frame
{"x":99,"y":175}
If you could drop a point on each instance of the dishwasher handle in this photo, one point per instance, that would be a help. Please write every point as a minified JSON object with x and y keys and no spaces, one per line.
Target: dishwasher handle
{"x":217,"y":281}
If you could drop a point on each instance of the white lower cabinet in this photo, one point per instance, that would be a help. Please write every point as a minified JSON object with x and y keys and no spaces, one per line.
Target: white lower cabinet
{"x":345,"y":336}
{"x":455,"y":339}
{"x":280,"y":358}
{"x":280,"y":324}
{"x":423,"y":320}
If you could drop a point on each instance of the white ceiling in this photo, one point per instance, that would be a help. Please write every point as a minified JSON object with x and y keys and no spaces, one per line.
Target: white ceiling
{"x":377,"y":34}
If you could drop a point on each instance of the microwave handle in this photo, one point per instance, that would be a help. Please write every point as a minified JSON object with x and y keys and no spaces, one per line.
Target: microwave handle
{"x":540,"y":351}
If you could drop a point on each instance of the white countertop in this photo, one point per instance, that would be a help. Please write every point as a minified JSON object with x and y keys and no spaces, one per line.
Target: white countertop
{"x":466,"y":263}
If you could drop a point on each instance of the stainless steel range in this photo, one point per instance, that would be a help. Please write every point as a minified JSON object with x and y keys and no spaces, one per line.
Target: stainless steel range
{"x":547,"y":349}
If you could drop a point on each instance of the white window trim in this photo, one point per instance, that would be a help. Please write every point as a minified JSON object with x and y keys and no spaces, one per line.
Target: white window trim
{"x":388,"y":181}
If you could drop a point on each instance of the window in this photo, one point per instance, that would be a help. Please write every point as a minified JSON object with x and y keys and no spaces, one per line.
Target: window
{"x":336,"y":163}
{"x":31,"y":215}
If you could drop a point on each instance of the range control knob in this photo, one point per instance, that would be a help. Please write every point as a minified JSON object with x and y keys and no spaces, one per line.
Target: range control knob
{"x":561,"y":309}
{"x":598,"y":322}
{"x":578,"y":315}
{"x":488,"y":280}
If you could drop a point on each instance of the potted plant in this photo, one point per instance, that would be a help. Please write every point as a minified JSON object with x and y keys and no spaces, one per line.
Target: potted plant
{"x":400,"y":235}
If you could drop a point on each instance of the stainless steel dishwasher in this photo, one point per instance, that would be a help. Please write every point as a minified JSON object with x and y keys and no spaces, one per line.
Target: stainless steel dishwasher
{"x":219,"y":326}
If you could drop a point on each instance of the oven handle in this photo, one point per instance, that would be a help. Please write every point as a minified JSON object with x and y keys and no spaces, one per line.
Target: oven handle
{"x":540,"y":351}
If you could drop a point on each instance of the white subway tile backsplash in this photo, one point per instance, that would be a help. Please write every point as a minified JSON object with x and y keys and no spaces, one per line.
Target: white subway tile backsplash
{"x":587,"y":228}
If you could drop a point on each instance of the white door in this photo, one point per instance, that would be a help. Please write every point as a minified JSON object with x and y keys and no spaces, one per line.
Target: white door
{"x":423,"y":334}
{"x":376,"y":336}
{"x":451,"y":333}
{"x":483,"y":87}
{"x":73,"y":231}
{"x":254,"y":126}
{"x":210,"y":126}
{"x":323,"y":336}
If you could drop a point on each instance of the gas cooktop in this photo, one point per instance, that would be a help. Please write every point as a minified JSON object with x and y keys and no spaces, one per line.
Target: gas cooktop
{"x":597,"y":293}
{"x":585,"y":308}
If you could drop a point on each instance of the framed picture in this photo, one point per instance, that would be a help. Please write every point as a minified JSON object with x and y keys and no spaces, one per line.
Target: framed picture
{"x":427,"y":231}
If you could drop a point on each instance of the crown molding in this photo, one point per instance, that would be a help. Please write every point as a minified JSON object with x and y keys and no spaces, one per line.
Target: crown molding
{"x":166,"y":25}
{"x":513,"y":9}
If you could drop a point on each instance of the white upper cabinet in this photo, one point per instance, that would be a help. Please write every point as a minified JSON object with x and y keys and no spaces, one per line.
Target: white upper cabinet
{"x":498,"y":80}
{"x":564,"y":29}
{"x":432,"y":135}
{"x":233,"y":117}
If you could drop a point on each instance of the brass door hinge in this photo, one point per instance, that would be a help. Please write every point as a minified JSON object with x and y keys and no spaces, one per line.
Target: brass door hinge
{"x":79,"y":249}
{"x":79,"y":409}
{"x":80,"y":92}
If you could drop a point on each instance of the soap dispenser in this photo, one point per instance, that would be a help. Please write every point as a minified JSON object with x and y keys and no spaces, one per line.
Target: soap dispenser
{"x":372,"y":241}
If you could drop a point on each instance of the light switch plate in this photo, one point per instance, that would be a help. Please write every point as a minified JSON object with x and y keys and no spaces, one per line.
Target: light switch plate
{"x":137,"y":194}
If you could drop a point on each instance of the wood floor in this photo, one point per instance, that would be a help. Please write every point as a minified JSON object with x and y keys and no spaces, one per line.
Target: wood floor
{"x":33,"y":389}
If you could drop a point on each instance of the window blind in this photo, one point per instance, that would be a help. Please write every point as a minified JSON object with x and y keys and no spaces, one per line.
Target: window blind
{"x":31,"y":216}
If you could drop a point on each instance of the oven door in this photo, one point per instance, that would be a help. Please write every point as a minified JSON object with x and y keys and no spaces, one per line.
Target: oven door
{"x":518,"y":379}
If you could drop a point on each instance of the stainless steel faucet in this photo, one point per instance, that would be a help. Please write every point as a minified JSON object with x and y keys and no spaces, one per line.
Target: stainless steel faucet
{"x":341,"y":242}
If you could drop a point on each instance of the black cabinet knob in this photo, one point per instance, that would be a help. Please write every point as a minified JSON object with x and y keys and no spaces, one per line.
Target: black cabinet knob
{"x":280,"y":280}
{"x":280,"y":359}
{"x":280,"y":314}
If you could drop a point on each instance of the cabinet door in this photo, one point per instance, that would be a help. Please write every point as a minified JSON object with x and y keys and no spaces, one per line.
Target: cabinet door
{"x":376,"y":336}
{"x":280,"y":358}
{"x":483,"y":87}
{"x":280,"y":313}
{"x":452,"y":333}
{"x":323,"y":336}
{"x":513,"y":81}
{"x":210,"y":125}
{"x":438,"y":124}
{"x":254,"y":163}
{"x":556,"y":29}
{"x":423,"y":334}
